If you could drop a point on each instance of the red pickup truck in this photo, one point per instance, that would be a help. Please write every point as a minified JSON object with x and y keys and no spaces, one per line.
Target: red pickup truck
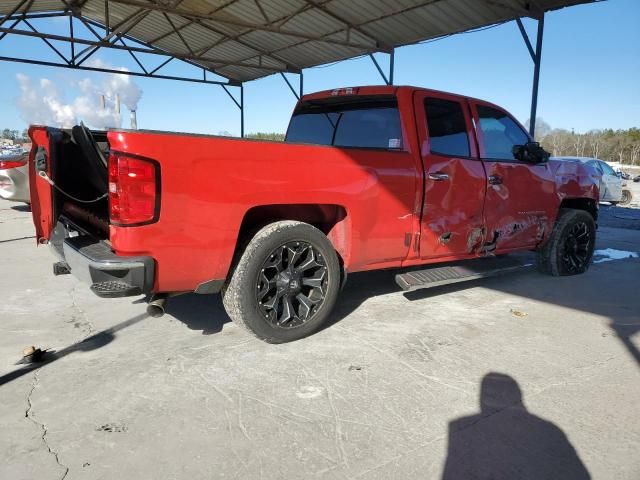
{"x":367,"y":178}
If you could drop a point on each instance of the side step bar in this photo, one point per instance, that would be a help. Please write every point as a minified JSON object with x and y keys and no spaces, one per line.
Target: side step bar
{"x":469,"y":270}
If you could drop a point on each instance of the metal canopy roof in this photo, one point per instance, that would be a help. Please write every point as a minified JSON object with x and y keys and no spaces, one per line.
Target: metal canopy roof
{"x":243,"y":40}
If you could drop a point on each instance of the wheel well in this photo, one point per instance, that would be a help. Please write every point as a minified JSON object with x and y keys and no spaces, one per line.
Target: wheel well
{"x":586,"y":204}
{"x":332,"y":220}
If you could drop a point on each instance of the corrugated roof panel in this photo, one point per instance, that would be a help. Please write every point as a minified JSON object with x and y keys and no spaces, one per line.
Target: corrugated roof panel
{"x":268,"y":40}
{"x":284,"y":34}
{"x":153,"y":26}
{"x":199,"y":38}
{"x":7,"y":6}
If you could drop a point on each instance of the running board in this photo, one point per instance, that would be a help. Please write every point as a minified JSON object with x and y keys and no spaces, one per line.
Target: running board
{"x":463,"y":272}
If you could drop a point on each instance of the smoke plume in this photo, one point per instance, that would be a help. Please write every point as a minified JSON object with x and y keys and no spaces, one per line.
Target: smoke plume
{"x":42,"y":102}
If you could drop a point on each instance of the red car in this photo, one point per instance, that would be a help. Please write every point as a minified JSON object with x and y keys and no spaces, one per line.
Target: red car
{"x":368,"y":178}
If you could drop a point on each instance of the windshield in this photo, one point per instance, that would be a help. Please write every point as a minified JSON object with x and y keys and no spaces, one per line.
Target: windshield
{"x":363,"y":123}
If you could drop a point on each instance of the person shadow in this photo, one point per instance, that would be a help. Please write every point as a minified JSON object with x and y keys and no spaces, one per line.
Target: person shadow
{"x":505,"y":441}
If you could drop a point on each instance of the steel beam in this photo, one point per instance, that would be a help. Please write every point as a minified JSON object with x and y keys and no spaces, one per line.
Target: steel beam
{"x":241,"y":110}
{"x":73,"y":43}
{"x":293,"y":90}
{"x":13,"y":10}
{"x":536,"y":78}
{"x":301,"y":85}
{"x":147,"y":49}
{"x":525,"y":36}
{"x":189,"y":14}
{"x":31,"y":16}
{"x":109,"y":70}
{"x":387,"y":79}
{"x":45,"y":40}
{"x":350,"y":26}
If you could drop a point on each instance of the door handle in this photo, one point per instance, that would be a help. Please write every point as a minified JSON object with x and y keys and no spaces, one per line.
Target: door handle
{"x":438,"y":176}
{"x":495,"y":180}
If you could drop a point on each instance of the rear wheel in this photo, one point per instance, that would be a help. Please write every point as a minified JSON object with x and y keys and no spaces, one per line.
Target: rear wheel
{"x":285,"y":284}
{"x":569,"y":249}
{"x":626,"y":198}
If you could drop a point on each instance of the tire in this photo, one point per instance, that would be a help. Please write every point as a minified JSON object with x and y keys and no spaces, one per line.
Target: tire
{"x":626,"y":197}
{"x":285,"y":283}
{"x":573,"y":238}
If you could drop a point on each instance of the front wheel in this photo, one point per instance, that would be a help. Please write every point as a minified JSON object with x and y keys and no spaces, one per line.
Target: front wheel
{"x":626,"y":198}
{"x":569,"y":249}
{"x":285,"y":283}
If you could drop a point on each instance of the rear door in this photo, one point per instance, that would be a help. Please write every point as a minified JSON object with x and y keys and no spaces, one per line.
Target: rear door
{"x":40,"y":191}
{"x":455,"y":181}
{"x":521,"y":197}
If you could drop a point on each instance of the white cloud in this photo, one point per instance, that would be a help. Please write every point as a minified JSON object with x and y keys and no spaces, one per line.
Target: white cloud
{"x":43,"y":102}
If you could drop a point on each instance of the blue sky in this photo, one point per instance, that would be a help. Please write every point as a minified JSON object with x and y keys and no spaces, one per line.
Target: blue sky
{"x":590,"y":76}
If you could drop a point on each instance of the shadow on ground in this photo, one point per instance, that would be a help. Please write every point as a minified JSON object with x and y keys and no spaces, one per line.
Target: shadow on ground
{"x":590,"y":293}
{"x":503,"y":440}
{"x":608,"y":290}
{"x":21,"y":207}
{"x":92,"y":342}
{"x":199,"y":312}
{"x":614,"y":298}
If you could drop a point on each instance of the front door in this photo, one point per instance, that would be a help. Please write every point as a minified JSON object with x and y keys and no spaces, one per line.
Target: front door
{"x":455,"y":182}
{"x":610,"y":184}
{"x":520,"y":198}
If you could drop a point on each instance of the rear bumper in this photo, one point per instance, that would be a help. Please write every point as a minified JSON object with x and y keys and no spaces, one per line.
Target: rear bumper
{"x":109,"y":275}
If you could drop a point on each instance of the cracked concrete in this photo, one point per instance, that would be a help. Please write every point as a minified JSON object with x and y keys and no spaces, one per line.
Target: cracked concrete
{"x":29,"y":414}
{"x":379,"y":394}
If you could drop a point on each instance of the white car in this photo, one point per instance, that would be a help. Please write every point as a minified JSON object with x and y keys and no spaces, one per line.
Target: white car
{"x":610,"y":182}
{"x":14,"y":176}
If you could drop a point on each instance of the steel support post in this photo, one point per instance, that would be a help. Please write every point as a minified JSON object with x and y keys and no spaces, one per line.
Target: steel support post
{"x":242,"y":110}
{"x":536,"y":78}
{"x":387,"y":79}
{"x":301,"y":87}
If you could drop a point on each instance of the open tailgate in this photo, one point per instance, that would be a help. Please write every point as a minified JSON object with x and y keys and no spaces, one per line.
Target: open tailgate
{"x":40,"y":190}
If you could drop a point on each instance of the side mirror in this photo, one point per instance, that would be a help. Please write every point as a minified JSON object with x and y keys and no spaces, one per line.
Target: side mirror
{"x":530,"y":152}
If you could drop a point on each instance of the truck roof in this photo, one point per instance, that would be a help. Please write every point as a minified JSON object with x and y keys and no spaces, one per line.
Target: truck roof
{"x":366,"y":90}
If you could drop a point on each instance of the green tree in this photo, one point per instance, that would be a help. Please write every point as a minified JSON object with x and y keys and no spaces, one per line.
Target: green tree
{"x":273,"y":136}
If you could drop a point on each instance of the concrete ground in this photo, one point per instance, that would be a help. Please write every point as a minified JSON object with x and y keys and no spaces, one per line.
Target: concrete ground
{"x":523,"y":376}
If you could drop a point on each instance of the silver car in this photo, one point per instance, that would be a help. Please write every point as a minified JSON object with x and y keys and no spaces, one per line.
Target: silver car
{"x":610,"y":182}
{"x":14,"y":176}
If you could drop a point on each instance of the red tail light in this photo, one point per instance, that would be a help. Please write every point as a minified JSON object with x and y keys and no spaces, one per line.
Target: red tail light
{"x":134,"y":190}
{"x":7,"y":164}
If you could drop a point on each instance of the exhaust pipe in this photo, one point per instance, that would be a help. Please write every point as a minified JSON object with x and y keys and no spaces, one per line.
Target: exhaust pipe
{"x":157,"y":303}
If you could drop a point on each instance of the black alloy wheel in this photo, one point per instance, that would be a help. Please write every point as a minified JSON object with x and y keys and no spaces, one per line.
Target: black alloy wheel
{"x":569,"y":248}
{"x":576,"y":252}
{"x":292,"y":284}
{"x":284,"y":283}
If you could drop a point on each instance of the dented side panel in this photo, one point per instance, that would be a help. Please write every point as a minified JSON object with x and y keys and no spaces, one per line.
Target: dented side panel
{"x":575,"y":180}
{"x":454,"y":192}
{"x":519,"y":209}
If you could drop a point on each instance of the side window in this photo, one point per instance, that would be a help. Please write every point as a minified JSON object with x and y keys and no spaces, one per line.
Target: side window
{"x":500,"y":133}
{"x":371,"y":128}
{"x":606,"y":168}
{"x":447,"y":127}
{"x":364,"y":123}
{"x":595,"y":164}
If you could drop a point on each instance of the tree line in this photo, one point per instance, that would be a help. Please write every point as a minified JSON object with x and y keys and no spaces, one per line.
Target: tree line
{"x":621,"y":146}
{"x":15,"y":135}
